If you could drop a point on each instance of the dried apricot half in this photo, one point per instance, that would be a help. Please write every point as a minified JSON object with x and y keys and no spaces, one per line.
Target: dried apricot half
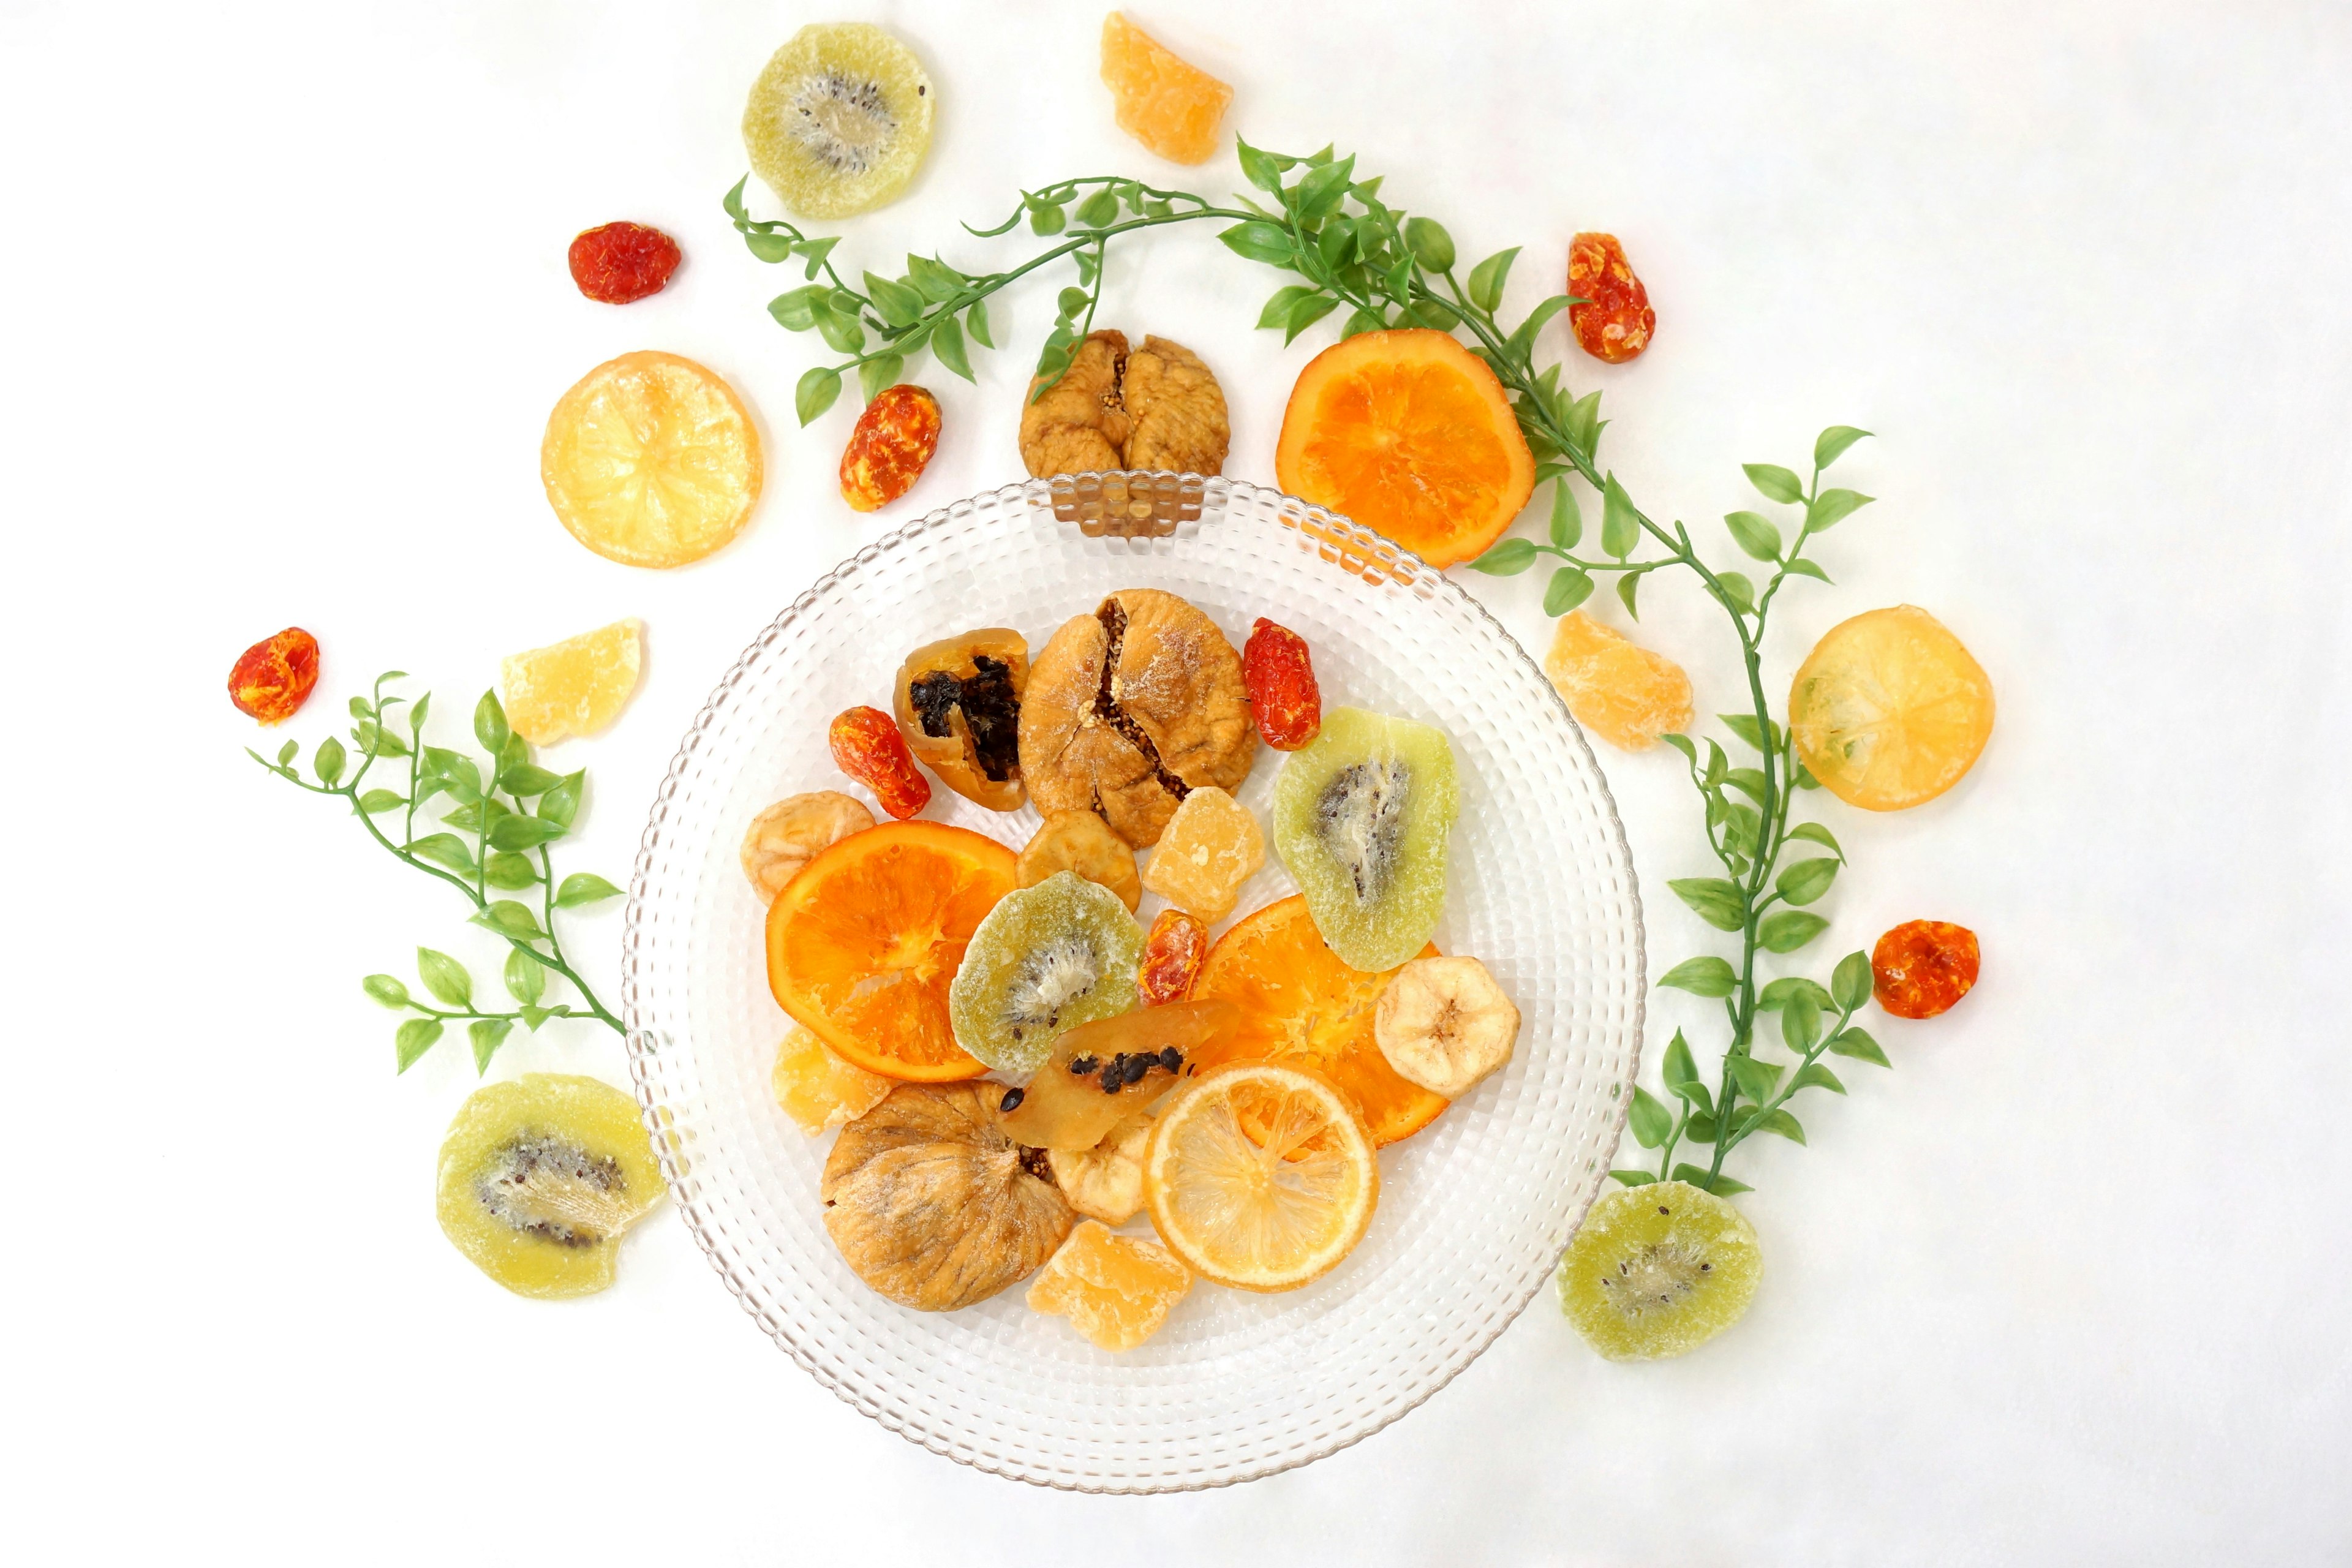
{"x":1889,"y":709}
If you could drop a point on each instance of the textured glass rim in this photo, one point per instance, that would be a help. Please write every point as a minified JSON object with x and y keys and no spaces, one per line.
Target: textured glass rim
{"x":1066,"y":498}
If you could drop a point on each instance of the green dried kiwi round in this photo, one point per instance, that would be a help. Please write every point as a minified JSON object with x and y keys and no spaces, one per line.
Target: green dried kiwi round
{"x":839,"y":120}
{"x":1362,"y":816}
{"x":1659,"y":1270}
{"x":541,"y":1176}
{"x":1044,"y":960}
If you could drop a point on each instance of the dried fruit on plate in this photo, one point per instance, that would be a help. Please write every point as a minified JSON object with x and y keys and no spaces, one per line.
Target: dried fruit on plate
{"x":1615,"y":322}
{"x":575,"y":687}
{"x":1658,"y":1269}
{"x":1283,"y":696}
{"x":1045,"y":960}
{"x":1211,"y":847}
{"x":1444,"y":1024}
{"x":1408,"y":432}
{"x":1260,"y":1176}
{"x":1169,"y":106}
{"x":867,"y":746}
{"x":651,"y":460}
{"x":1362,"y":818}
{"x":863,"y":944}
{"x":1625,"y":694}
{"x":1103,"y":1072}
{"x":894,"y":440}
{"x":1115,"y":1290}
{"x":839,"y":120}
{"x":1106,"y":1181}
{"x":1300,"y":1005}
{"x":1172,"y":950}
{"x":1133,"y":707}
{"x":274,"y":678}
{"x":1889,"y":709}
{"x":618,"y":263}
{"x":958,"y":707}
{"x":1082,"y":842}
{"x":932,"y":1206}
{"x":819,"y":1091}
{"x":1922,"y":967}
{"x":1157,"y":408}
{"x":788,"y":834}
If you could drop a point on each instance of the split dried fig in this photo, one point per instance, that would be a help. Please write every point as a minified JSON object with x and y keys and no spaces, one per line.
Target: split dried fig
{"x":959,"y":705}
{"x":1158,"y":407}
{"x":1130,"y":708}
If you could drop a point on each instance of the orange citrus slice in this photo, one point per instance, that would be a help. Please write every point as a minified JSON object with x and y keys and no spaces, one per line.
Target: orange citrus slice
{"x":1889,"y":709}
{"x":1409,"y":433}
{"x":651,"y":460}
{"x":1260,"y":1176}
{"x":1302,"y":1006}
{"x":862,"y":943}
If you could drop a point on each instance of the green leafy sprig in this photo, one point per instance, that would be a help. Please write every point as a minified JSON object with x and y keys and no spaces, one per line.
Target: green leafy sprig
{"x":499,"y":818}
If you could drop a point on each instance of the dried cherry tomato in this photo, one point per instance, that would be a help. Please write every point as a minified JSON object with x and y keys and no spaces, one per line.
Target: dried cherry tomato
{"x":1616,"y":322}
{"x":274,"y":677}
{"x":1280,"y":680}
{"x":1172,"y":958}
{"x":617,"y":262}
{"x":1921,"y":967}
{"x":894,"y":440}
{"x":867,"y":746}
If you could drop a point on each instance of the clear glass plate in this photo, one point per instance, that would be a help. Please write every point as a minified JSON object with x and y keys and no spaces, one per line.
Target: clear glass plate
{"x":1474,"y":1210}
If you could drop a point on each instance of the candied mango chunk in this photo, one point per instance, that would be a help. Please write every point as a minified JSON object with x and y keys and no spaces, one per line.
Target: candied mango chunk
{"x":817,"y":1089}
{"x":1211,"y":846}
{"x":1626,"y":695}
{"x":575,"y":687}
{"x":1115,"y":1290}
{"x":1169,"y":106}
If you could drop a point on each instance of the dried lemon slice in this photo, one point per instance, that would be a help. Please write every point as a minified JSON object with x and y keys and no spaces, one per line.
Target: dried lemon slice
{"x":1889,"y":709}
{"x":651,"y":460}
{"x":1260,"y":1176}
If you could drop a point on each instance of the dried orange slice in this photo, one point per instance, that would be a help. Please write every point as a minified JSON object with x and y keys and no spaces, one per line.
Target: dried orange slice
{"x":1889,"y":709}
{"x":1302,"y":1006}
{"x":1260,"y":1176}
{"x":651,"y":460}
{"x":862,"y":943}
{"x":1409,"y":433}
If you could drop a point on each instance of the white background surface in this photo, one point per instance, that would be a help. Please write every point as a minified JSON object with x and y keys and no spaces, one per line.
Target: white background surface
{"x":285,"y":306}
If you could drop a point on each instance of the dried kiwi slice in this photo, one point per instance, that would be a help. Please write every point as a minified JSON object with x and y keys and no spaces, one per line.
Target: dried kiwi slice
{"x":1046,"y":959}
{"x":1361,"y":816}
{"x":1659,"y":1270}
{"x":539,"y":1177}
{"x":839,"y":121}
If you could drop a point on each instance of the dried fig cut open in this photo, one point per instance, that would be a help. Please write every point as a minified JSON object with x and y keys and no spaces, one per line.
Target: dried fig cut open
{"x":959,"y":705}
{"x":1159,"y":407}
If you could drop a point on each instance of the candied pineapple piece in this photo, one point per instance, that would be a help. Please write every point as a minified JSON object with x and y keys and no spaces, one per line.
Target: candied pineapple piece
{"x":1211,"y":846}
{"x":575,"y":687}
{"x":1115,"y":1290}
{"x":1626,"y":695}
{"x":1170,"y":106}
{"x":817,"y":1089}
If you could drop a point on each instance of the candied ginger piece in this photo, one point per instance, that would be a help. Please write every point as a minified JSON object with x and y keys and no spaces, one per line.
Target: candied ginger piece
{"x":1168,"y":105}
{"x":1626,"y":695}
{"x":817,"y":1089}
{"x":575,"y":687}
{"x":1211,"y":847}
{"x":1115,"y":1290}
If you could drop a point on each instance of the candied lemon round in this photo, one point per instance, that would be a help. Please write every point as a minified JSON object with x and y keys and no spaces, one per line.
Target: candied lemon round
{"x":1261,"y":1177}
{"x":575,"y":687}
{"x":1889,"y":709}
{"x":651,"y":460}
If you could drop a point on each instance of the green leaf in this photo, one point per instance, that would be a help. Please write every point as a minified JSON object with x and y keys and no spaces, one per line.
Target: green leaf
{"x":1776,"y":483}
{"x":878,"y":373}
{"x":816,"y":250}
{"x":1748,"y":782}
{"x":1812,"y":1074}
{"x":1098,"y":209}
{"x":444,"y":977}
{"x":509,"y":873}
{"x":1046,"y":217}
{"x":1521,"y":344}
{"x":1805,"y":779}
{"x":1621,"y":527}
{"x":523,"y":780}
{"x":1507,"y":559}
{"x":947,"y":346}
{"x":1707,"y":976}
{"x":1335,"y":243}
{"x":1784,"y":1123}
{"x":1570,"y":586}
{"x":1778,"y":992}
{"x":1788,"y":929}
{"x":1651,"y":1122}
{"x":1744,"y":725}
{"x":1737,"y":591}
{"x":1807,"y":880}
{"x":1803,"y":568}
{"x":583,"y":887}
{"x":491,"y":723}
{"x":1800,"y":1024}
{"x":413,"y":1039}
{"x":842,"y":329}
{"x":1743,"y":827}
{"x":1756,"y":1079}
{"x":1276,"y":313}
{"x":1306,"y":312}
{"x":446,"y":851}
{"x":1259,"y":241}
{"x":1566,"y":521}
{"x":1628,"y":586}
{"x":1716,"y":901}
{"x":327,"y":761}
{"x":733,"y":200}
{"x":1814,"y":832}
{"x":513,"y":832}
{"x":1633,"y":1178}
{"x":1682,"y":743}
{"x":1431,"y":245}
{"x":1851,"y":983}
{"x":1681,"y":1074}
{"x":1699,"y":1128}
{"x":1755,"y":533}
{"x":1361,"y":320}
{"x":382,"y":800}
{"x":534,"y":1017}
{"x":1259,"y":168}
{"x":387,"y":989}
{"x":975,"y":324}
{"x":1320,"y":193}
{"x":816,"y":391}
{"x":796,"y":312}
{"x":938,"y":281}
{"x":1832,"y":443}
{"x":487,"y":1034}
{"x":1584,"y":422}
{"x":416,"y":716}
{"x":1832,"y":507}
{"x":526,"y":977}
{"x":1721,"y":1185}
{"x":508,"y":919}
{"x":768,"y":247}
{"x":1858,"y":1044}
{"x":1071,"y":303}
{"x":1486,"y":278}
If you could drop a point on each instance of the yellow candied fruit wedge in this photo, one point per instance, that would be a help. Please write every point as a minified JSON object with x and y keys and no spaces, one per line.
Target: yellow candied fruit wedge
{"x":1209,"y":847}
{"x":1168,"y":105}
{"x":1626,"y":695}
{"x":575,"y":687}
{"x":1115,"y":1290}
{"x":817,"y":1089}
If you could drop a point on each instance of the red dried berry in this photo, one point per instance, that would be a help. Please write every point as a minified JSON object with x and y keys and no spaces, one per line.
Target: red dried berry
{"x":867,"y":746}
{"x":1172,"y":958}
{"x":1617,"y":322}
{"x":618,"y":262}
{"x":1920,"y":968}
{"x":894,"y":439}
{"x":274,"y":677}
{"x":1280,"y":680}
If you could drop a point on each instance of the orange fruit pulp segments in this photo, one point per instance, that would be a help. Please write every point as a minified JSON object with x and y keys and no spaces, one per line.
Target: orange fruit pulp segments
{"x":1303,"y":1007}
{"x":864,"y":943}
{"x":1409,"y":433}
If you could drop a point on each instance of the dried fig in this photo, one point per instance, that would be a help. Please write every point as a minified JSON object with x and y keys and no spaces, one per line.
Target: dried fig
{"x":1131,"y":707}
{"x":959,"y":705}
{"x":1079,"y":841}
{"x":1159,"y":407}
{"x":932,"y":1206}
